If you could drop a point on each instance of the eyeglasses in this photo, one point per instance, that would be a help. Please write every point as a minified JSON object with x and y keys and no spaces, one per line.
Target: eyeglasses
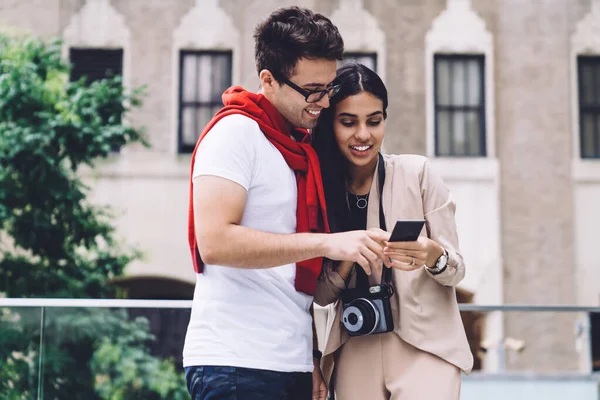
{"x":312,"y":96}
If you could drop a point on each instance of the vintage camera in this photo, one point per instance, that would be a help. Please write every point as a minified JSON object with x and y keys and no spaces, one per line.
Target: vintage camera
{"x":367,"y":310}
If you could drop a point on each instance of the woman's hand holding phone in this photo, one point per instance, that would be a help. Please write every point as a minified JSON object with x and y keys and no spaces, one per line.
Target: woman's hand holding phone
{"x":407,"y":250}
{"x":408,"y":256}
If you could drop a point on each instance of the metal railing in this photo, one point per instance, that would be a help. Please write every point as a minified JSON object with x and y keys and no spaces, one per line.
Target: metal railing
{"x":498,"y":381}
{"x":132,"y":303}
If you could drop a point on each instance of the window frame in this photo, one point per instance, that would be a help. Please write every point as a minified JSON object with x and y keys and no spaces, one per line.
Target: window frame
{"x":120,"y":51}
{"x":594,"y":109}
{"x":357,"y":54}
{"x":183,"y":148}
{"x":480,"y":109}
{"x":103,"y":51}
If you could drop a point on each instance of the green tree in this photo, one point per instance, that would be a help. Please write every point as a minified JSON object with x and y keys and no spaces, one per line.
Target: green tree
{"x":54,"y":243}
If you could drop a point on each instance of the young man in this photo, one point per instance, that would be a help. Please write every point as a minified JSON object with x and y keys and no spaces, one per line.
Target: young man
{"x":256,"y":210}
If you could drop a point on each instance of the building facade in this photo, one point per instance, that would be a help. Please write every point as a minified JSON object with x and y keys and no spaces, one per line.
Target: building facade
{"x":503,"y":96}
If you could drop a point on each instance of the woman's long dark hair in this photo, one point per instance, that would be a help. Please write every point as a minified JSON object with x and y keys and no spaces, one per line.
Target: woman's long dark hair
{"x":354,"y":79}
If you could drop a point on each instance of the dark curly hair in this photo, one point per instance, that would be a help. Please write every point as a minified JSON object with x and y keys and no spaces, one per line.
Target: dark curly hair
{"x":292,"y":33}
{"x":353,"y":79}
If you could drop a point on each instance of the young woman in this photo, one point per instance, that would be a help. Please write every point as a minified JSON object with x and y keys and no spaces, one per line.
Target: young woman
{"x":423,"y":355}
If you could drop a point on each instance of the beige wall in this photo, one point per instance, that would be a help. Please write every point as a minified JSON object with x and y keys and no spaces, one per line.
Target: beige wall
{"x":526,"y":214}
{"x":534,"y":146}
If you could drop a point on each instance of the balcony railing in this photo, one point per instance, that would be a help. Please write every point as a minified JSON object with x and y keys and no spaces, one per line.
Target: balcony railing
{"x":521,"y":351}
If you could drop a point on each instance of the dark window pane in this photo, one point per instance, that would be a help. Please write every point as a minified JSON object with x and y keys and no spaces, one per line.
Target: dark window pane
{"x":587,"y":137}
{"x":205,"y":81}
{"x":221,"y":76}
{"x":188,"y":82}
{"x":586,"y":84}
{"x":188,"y":117}
{"x":369,"y":60}
{"x":473,"y":129}
{"x":589,"y":105}
{"x":474,"y":83}
{"x":457,"y":76}
{"x":95,"y":64}
{"x":443,"y":82}
{"x":458,"y":129}
{"x":444,"y":136}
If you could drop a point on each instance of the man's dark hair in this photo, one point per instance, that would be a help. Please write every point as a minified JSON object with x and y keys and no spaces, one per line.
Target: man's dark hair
{"x":292,"y":33}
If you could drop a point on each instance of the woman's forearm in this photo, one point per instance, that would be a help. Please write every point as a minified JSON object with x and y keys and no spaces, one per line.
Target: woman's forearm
{"x":344,"y":269}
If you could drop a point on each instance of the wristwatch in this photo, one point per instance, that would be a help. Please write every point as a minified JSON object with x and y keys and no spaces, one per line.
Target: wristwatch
{"x":440,"y":265}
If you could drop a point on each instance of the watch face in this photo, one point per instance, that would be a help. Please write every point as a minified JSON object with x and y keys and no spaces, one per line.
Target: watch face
{"x":441,"y":262}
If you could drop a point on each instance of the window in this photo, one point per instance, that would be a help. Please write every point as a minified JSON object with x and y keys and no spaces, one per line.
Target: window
{"x":589,"y":105}
{"x":459,"y":106}
{"x":369,"y":60}
{"x":95,"y":64}
{"x":204,"y":76}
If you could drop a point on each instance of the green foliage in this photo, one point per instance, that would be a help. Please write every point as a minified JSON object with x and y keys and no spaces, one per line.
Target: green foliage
{"x":87,"y":354}
{"x":49,"y":127}
{"x":54,"y":243}
{"x":125,"y":371}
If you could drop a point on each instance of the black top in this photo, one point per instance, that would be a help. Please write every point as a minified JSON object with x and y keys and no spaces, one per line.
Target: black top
{"x":358,"y":221}
{"x":358,"y":215}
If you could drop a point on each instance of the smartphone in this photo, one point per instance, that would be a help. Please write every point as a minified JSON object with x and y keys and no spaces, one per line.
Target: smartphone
{"x":407,"y":231}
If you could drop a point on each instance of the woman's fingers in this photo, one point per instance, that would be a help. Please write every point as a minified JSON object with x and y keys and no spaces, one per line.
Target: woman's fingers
{"x":406,"y":262}
{"x":405,"y":266}
{"x":402,"y":252}
{"x":417,"y":255}
{"x":402,"y":258}
{"x":417,"y":245}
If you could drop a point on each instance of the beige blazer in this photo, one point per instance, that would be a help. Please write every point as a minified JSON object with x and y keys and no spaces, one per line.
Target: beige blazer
{"x":424,"y":307}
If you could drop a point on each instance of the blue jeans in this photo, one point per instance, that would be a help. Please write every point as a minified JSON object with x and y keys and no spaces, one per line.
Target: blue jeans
{"x":234,"y":383}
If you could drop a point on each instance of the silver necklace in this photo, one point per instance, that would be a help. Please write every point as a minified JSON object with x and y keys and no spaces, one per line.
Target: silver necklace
{"x":361,"y":200}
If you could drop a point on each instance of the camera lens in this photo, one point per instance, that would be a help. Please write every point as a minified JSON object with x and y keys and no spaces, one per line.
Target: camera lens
{"x":352,"y":319}
{"x":360,"y":317}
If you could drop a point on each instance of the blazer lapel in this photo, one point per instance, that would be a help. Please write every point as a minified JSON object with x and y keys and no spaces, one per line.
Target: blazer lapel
{"x":373,"y":207}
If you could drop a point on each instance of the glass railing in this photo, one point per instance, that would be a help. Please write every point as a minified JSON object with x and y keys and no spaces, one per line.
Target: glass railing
{"x":92,"y":349}
{"x":532,"y":352}
{"x":131,"y":349}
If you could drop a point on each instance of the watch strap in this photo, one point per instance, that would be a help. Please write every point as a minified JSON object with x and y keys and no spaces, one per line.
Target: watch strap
{"x":436,"y":270}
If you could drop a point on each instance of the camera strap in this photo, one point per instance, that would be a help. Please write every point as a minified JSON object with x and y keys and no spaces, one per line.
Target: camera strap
{"x":362,"y":280}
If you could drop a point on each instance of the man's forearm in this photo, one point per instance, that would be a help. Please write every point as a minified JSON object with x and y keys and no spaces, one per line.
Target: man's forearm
{"x":242,"y":247}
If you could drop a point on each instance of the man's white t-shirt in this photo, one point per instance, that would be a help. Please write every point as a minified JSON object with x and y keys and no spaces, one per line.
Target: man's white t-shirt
{"x":241,"y":317}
